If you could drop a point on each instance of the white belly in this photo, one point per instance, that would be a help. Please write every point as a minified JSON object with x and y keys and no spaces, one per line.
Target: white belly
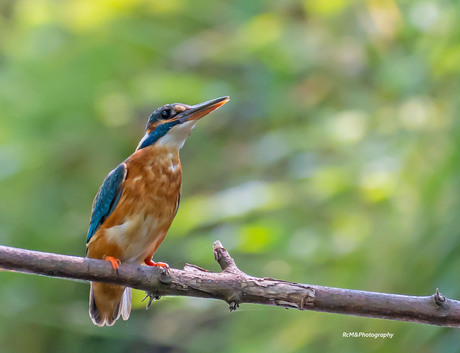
{"x":138,"y":236}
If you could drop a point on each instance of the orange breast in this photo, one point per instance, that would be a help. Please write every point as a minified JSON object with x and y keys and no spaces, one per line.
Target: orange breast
{"x":146,"y":208}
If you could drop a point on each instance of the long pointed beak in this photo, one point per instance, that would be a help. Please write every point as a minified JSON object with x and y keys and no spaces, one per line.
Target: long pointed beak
{"x":198,"y":111}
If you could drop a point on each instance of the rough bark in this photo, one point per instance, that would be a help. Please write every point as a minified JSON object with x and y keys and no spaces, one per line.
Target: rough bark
{"x":236,"y":287}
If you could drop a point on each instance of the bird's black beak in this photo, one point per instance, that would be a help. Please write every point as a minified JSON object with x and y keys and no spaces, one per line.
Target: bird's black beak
{"x":197,"y":111}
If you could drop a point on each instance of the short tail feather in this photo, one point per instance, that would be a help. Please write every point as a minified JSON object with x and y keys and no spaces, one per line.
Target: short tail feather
{"x":107,"y":302}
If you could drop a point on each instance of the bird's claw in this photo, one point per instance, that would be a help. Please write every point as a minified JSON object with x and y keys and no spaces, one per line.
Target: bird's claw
{"x":233,"y":306}
{"x":151,"y":297}
{"x":113,"y":261}
{"x":151,"y":263}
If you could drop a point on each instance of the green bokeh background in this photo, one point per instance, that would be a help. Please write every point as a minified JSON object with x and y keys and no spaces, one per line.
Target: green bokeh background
{"x":335,"y":163}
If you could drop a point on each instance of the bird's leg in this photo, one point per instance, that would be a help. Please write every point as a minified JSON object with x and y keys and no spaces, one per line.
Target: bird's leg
{"x":113,"y":261}
{"x":148,"y":261}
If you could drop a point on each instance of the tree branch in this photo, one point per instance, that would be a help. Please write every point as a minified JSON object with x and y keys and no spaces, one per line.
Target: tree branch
{"x":236,"y":287}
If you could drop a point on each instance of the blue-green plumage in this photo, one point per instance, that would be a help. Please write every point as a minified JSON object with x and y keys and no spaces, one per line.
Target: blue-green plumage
{"x":158,"y":133}
{"x":107,"y":198}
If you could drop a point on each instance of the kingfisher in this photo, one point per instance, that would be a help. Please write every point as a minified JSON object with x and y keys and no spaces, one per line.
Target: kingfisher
{"x":137,"y":203}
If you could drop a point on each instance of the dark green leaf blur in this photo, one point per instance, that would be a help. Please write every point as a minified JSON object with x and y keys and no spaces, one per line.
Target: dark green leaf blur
{"x":336,"y":162}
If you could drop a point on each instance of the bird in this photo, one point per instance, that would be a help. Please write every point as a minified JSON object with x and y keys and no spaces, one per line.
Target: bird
{"x":137,"y":202}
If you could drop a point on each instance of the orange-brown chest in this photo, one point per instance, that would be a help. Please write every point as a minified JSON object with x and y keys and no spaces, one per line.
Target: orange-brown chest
{"x":147,"y":205}
{"x":153,"y":182}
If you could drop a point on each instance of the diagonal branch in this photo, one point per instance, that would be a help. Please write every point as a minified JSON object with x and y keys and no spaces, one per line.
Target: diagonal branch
{"x":236,"y":287}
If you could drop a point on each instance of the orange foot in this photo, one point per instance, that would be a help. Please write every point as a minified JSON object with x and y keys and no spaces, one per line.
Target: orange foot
{"x":148,"y":261}
{"x":113,"y":261}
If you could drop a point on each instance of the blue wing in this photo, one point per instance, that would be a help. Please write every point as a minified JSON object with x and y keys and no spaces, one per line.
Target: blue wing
{"x":107,"y":198}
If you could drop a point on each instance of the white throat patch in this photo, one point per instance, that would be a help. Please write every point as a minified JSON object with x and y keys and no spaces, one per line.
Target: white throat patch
{"x":176,"y":136}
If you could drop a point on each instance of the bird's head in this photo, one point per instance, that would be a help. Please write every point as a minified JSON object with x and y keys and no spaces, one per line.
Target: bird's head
{"x":171,"y":124}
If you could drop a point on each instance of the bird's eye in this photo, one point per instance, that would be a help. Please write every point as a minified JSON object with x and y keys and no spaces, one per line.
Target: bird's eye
{"x":166,"y":114}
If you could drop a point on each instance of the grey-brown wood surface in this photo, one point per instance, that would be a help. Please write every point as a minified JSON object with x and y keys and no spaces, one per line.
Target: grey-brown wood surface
{"x":236,"y":287}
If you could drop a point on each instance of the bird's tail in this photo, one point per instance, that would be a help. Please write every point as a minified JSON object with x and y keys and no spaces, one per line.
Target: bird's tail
{"x":107,"y":302}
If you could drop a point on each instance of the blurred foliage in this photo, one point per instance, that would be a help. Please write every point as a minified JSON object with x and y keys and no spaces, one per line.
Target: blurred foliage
{"x":335,"y":163}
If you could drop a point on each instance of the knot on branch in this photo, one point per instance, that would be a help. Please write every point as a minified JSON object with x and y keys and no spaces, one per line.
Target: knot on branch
{"x":439,"y":298}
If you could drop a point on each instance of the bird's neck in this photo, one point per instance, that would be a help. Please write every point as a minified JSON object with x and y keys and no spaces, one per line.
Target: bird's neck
{"x":176,"y":136}
{"x":171,"y":135}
